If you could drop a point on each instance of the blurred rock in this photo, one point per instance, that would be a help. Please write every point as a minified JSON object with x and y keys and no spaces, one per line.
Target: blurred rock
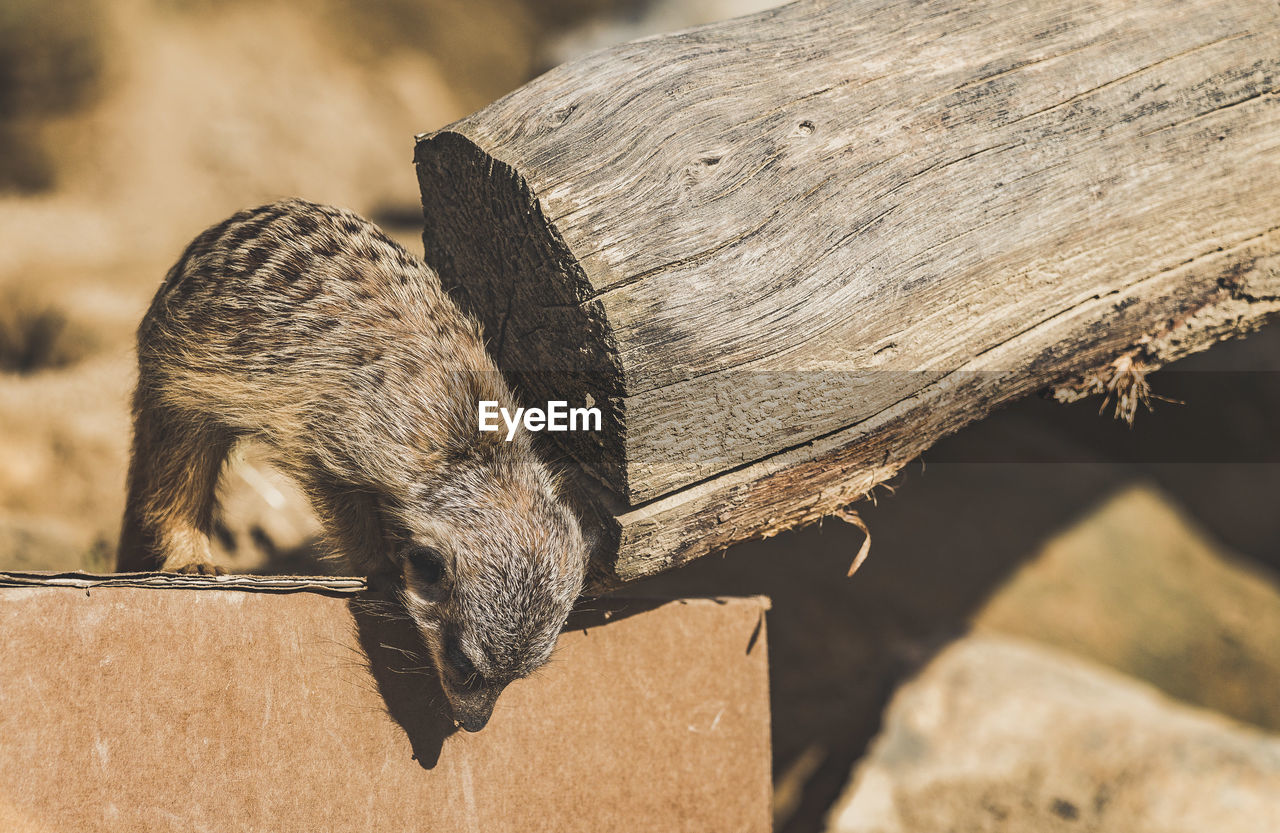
{"x":997,"y":734}
{"x":1136,"y":586}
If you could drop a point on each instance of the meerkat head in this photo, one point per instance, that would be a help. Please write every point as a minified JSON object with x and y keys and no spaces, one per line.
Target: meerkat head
{"x":492,"y":566}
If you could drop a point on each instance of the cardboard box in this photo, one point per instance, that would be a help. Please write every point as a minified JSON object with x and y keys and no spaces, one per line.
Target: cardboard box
{"x":278,"y":705}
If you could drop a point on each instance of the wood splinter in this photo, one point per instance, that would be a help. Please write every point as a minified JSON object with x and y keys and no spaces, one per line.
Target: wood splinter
{"x":851,"y":516}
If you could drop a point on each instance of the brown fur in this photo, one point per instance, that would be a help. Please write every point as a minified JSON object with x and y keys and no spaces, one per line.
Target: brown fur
{"x":304,"y":326}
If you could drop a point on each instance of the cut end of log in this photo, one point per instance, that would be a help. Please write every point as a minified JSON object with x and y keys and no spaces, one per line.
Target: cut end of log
{"x":505,"y":263}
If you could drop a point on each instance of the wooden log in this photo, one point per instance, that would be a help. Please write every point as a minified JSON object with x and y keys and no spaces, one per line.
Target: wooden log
{"x":786,"y":253}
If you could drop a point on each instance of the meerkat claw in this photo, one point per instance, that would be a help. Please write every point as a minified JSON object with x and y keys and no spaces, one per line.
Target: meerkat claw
{"x":201,"y":570}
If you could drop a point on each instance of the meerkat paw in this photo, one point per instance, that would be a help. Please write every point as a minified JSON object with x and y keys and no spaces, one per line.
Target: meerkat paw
{"x":196,"y":569}
{"x":187,"y":551}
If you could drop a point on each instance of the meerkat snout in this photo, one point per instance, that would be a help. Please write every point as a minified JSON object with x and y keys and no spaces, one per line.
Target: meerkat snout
{"x":471,"y":694}
{"x":489,"y":588}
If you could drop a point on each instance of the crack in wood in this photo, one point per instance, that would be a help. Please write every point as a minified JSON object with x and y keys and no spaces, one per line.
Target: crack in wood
{"x":1113,"y":82}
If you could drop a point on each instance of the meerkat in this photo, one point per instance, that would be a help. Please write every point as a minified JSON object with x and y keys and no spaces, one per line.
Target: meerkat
{"x":306,"y":327}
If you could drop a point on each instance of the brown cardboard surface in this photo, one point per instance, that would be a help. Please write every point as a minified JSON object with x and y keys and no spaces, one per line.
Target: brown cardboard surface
{"x":134,"y":708}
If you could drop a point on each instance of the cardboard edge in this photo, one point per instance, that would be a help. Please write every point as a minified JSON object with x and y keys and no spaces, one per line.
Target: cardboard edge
{"x":338,"y":585}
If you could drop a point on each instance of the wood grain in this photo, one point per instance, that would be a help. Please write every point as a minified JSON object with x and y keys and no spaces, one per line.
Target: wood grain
{"x":788,"y":252}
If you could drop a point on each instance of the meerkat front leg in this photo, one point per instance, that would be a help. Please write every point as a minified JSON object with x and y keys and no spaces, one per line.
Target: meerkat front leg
{"x":350,"y":519}
{"x":173,"y":478}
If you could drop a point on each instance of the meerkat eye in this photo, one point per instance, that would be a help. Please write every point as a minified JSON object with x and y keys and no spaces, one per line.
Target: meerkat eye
{"x":427,"y":562}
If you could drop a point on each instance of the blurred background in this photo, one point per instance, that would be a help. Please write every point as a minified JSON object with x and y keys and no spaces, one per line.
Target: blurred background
{"x":1128,"y":566}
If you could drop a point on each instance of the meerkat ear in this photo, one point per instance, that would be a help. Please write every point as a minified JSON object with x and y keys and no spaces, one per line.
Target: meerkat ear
{"x":592,"y":536}
{"x":590,"y":525}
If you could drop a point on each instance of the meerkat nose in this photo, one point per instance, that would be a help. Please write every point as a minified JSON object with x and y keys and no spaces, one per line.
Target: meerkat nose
{"x":474,"y":722}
